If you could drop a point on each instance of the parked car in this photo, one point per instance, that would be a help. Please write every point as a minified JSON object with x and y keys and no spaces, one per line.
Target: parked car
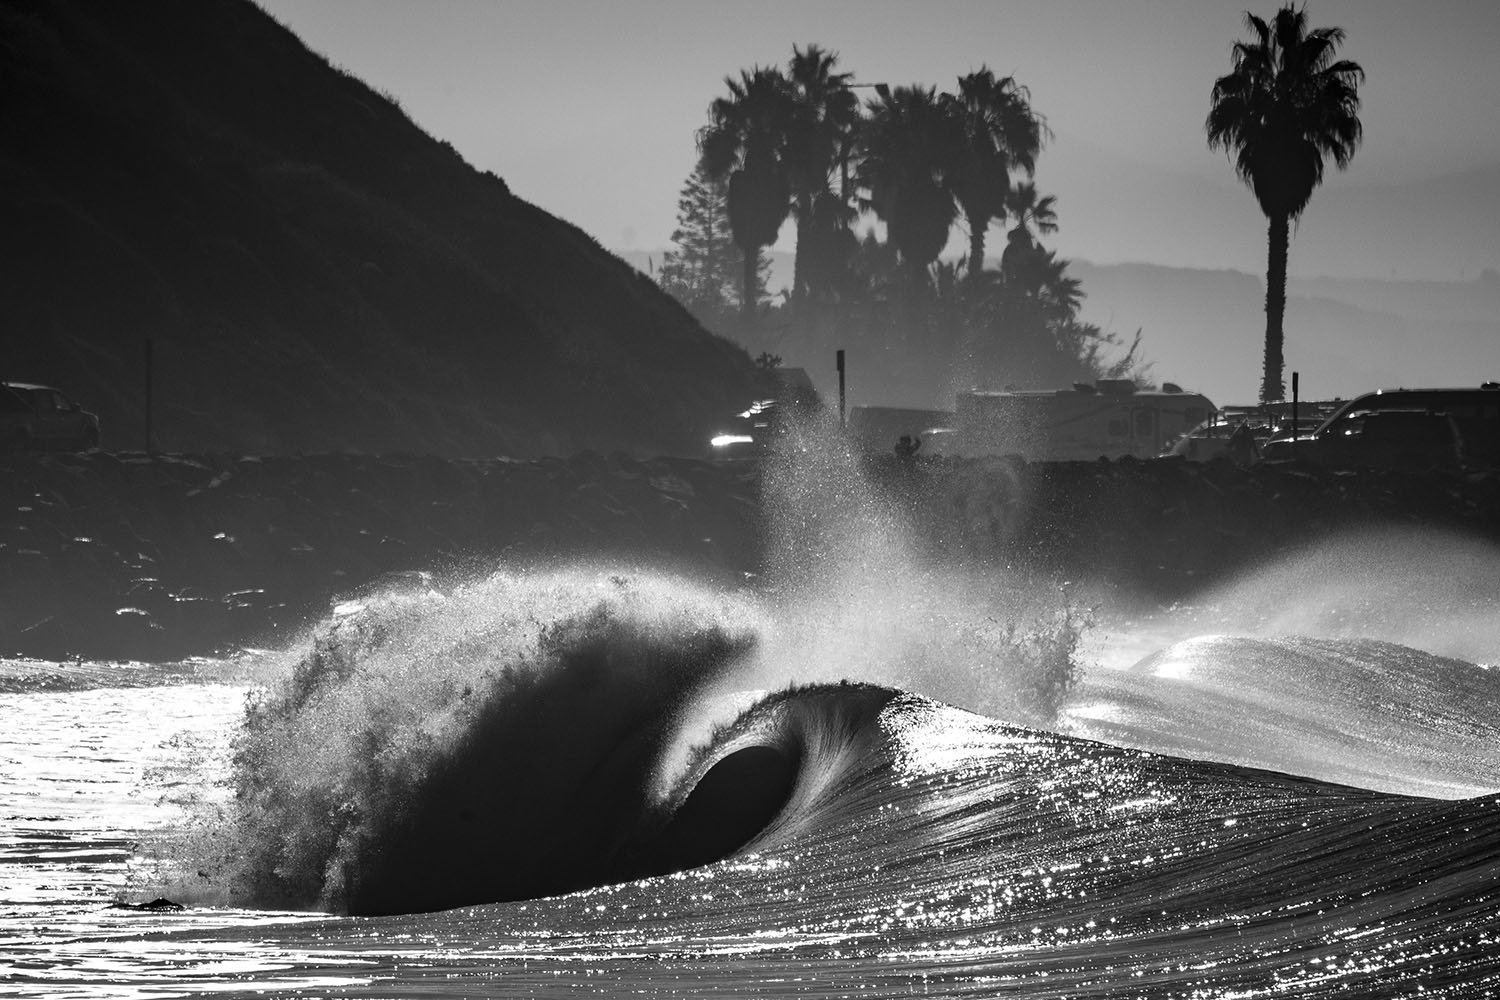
{"x":787,"y":396}
{"x":1210,"y":439}
{"x":1415,"y":429}
{"x":41,"y":417}
{"x":1265,"y":422}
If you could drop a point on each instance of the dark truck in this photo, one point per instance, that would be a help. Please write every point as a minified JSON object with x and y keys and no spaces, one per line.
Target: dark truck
{"x":1412,"y":429}
{"x":41,"y":417}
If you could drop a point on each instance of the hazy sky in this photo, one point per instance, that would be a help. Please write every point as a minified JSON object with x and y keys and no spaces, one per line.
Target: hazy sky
{"x":588,"y":109}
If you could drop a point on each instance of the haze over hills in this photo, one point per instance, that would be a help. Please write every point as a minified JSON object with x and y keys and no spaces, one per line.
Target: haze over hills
{"x":1205,"y":329}
{"x":1391,"y":283}
{"x":1439,"y":226}
{"x":315,"y":272}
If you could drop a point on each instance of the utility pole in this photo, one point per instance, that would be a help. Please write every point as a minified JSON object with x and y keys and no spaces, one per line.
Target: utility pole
{"x":840,"y":361}
{"x":1296,"y":418}
{"x":148,"y":396}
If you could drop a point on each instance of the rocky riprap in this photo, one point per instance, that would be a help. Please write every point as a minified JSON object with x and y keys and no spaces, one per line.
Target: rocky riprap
{"x":107,"y":555}
{"x":124,"y":556}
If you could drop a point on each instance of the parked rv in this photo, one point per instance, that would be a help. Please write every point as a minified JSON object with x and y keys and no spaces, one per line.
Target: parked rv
{"x":1108,"y":419}
{"x":1415,"y":429}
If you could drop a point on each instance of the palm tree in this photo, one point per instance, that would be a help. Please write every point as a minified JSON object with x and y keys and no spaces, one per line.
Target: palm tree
{"x":1283,"y":110}
{"x":829,"y":243}
{"x":1029,"y":211}
{"x":1059,"y":293}
{"x":825,"y":113}
{"x":746,"y":142}
{"x":907,"y":151}
{"x":999,"y":133}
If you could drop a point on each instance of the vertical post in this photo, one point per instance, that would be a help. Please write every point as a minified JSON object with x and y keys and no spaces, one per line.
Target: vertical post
{"x":1296,"y":419}
{"x":148,"y":395}
{"x":840,"y":361}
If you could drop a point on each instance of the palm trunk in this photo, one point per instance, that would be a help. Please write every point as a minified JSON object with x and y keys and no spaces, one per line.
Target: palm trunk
{"x":750,"y":284}
{"x":977,"y":232}
{"x":804,"y":247}
{"x":1271,"y":385}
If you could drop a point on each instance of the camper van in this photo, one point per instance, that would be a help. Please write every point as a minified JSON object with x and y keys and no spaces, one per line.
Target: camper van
{"x":1109,"y":419}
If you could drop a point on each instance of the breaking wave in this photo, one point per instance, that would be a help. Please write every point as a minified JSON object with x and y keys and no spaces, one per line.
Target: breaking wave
{"x":530,"y":734}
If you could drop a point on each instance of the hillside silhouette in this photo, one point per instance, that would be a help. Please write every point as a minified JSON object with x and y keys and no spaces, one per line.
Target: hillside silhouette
{"x":314,"y":271}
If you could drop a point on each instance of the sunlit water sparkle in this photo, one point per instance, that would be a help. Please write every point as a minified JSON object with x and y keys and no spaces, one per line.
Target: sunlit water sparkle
{"x":952,"y":856}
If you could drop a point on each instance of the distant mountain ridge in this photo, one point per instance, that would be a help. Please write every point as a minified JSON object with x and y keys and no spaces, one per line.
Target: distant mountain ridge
{"x":315,"y":272}
{"x":1442,"y":226}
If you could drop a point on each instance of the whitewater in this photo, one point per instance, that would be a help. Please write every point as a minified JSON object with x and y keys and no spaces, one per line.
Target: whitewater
{"x":864,"y":775}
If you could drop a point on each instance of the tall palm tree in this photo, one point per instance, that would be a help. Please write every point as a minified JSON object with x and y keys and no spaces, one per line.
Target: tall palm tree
{"x":906,"y":154}
{"x":746,"y":142}
{"x":1285,"y":108}
{"x":825,"y":113}
{"x":999,"y":133}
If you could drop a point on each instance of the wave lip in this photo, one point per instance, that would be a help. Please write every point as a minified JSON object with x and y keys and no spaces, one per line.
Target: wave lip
{"x":783,"y":766}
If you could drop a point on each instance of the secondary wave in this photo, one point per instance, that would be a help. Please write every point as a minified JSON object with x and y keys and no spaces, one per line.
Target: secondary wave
{"x":1359,"y":711}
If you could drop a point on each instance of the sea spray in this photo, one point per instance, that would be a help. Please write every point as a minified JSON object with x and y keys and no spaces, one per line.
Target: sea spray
{"x":1431,"y":588}
{"x":856,"y":594}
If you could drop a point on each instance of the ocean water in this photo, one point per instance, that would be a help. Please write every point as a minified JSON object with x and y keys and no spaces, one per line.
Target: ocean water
{"x":862,"y":776}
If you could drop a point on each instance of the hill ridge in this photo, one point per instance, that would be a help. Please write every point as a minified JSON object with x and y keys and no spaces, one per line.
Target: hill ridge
{"x":314,"y":270}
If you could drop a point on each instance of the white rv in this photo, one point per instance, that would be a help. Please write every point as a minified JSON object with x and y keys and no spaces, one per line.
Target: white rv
{"x":1109,"y":419}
